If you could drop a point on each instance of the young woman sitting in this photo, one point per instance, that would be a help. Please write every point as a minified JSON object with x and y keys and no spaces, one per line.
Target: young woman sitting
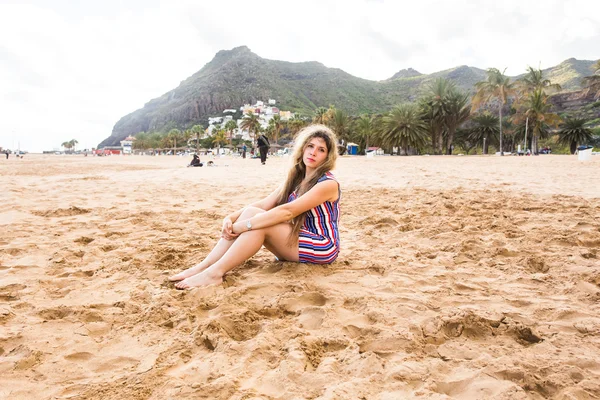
{"x":297,"y":222}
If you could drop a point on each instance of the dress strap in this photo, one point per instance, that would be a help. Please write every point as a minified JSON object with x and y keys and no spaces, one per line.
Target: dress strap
{"x":327,"y":176}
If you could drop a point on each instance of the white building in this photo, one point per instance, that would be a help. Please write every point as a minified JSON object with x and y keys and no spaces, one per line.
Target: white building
{"x":272,"y":102}
{"x":127,"y":144}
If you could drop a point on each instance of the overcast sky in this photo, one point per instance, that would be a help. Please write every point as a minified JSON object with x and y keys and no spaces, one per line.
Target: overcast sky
{"x":71,"y":69}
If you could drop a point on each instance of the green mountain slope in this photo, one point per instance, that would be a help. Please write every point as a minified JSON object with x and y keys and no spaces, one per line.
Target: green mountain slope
{"x":238,"y":76}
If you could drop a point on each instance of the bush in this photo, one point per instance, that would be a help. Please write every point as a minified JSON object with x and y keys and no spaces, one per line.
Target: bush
{"x":593,"y":122}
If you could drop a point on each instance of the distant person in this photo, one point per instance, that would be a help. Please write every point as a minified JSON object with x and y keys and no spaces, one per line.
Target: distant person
{"x":297,"y":222}
{"x":6,"y":152}
{"x":263,"y":147}
{"x":244,"y":150}
{"x":195,"y":161}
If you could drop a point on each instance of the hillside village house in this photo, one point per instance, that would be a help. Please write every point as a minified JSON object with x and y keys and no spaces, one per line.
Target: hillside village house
{"x":265,"y":114}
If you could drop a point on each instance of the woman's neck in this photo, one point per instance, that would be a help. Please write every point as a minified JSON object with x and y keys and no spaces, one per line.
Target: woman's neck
{"x":308,"y":174}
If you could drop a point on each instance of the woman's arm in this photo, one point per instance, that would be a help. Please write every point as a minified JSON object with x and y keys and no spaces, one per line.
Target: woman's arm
{"x":320,"y":193}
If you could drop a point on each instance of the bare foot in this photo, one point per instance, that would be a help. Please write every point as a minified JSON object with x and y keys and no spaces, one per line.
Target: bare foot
{"x":201,"y":279}
{"x":196,"y":269}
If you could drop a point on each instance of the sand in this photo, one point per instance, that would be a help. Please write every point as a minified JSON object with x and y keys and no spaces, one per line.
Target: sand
{"x":459,"y":277}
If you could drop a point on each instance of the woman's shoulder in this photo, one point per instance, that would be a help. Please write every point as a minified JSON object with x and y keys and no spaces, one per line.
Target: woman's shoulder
{"x":327,"y":176}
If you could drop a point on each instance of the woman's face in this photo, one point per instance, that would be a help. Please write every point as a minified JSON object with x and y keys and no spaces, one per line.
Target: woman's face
{"x":315,"y":152}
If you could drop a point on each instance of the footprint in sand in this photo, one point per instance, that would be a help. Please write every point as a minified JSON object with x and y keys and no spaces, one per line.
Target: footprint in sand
{"x":117,"y":363}
{"x":239,"y":326}
{"x":23,"y":357}
{"x":12,"y":252}
{"x":11,"y":292}
{"x":296,"y":304}
{"x":51,"y":314}
{"x":311,"y":318}
{"x":61,"y":212}
{"x":317,"y":348}
{"x":387,"y":344}
{"x":84,"y":240}
{"x":591,"y":240}
{"x":6,"y":313}
{"x":80,"y":356}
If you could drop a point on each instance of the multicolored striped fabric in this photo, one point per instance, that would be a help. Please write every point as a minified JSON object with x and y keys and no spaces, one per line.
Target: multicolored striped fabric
{"x":319,"y":240}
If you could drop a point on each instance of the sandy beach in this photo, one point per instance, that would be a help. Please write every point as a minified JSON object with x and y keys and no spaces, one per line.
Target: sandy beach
{"x":459,"y":277}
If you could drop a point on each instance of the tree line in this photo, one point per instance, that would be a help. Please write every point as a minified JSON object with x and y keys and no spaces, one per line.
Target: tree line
{"x":70,"y":144}
{"x":502,"y":114}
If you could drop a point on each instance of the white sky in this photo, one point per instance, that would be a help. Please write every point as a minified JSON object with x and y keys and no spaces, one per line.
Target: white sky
{"x":71,"y":69}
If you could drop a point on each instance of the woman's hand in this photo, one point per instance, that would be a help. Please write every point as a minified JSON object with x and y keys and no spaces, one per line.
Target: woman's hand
{"x":227,"y":231}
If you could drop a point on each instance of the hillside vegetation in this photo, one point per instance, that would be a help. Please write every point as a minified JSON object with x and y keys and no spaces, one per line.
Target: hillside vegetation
{"x":238,"y":76}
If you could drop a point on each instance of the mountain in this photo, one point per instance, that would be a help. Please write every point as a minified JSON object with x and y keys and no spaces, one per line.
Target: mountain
{"x":405,"y":73}
{"x":238,"y":76}
{"x":568,"y":73}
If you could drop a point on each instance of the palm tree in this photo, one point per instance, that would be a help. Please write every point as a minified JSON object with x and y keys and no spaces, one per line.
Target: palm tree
{"x":219,"y":138}
{"x":187,"y":135}
{"x":197,"y":130}
{"x":433,"y":109}
{"x":251,"y":123}
{"x":538,"y":113}
{"x":66,"y":145}
{"x":142,"y":142}
{"x":497,"y":86}
{"x":365,"y":128}
{"x":269,"y":131}
{"x":73,"y":143}
{"x":340,"y":123}
{"x":295,"y":124}
{"x":320,"y":116}
{"x":573,"y":133}
{"x":485,"y":130}
{"x":156,"y":140}
{"x":403,"y":127}
{"x":457,"y":112}
{"x":277,"y":124}
{"x":535,"y":80}
{"x":173,"y":136}
{"x":230,"y":127}
{"x":463,"y":140}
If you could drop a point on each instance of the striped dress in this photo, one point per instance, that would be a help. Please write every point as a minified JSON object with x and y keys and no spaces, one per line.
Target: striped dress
{"x":319,"y":240}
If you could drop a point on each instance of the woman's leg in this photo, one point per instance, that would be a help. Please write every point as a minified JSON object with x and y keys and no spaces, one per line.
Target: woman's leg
{"x":217,"y":252}
{"x":275,"y":239}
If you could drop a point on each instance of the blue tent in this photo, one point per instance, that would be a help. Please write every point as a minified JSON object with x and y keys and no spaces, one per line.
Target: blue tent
{"x":352,"y":148}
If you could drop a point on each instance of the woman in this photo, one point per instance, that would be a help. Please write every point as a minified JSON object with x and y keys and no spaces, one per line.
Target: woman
{"x":195,"y":161}
{"x":297,"y":222}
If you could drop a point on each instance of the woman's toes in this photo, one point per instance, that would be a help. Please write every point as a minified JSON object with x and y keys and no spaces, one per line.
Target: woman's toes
{"x":181,"y":284}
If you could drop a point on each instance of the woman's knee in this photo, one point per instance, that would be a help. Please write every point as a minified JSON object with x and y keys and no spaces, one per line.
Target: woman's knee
{"x":250,"y":212}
